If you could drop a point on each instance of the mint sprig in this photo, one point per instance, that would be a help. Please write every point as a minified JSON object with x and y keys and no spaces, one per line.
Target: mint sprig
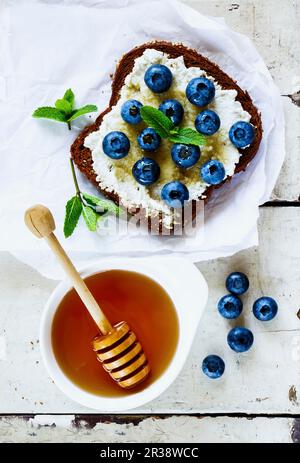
{"x":166,"y":129}
{"x":90,"y":207}
{"x":64,"y":111}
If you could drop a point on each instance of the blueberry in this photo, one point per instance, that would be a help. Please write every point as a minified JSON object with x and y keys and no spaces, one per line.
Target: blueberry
{"x":173,"y":110}
{"x":185,"y":156}
{"x":207,"y":122}
{"x":237,"y":283}
{"x":213,"y":366}
{"x":116,"y":145}
{"x":174,"y":194}
{"x":240,"y":339}
{"x":230,"y":306}
{"x":149,"y":140}
{"x":200,"y":91}
{"x":146,"y":171}
{"x":242,"y":134}
{"x":212,"y":172}
{"x":158,"y":78}
{"x":130,"y":112}
{"x":265,"y":308}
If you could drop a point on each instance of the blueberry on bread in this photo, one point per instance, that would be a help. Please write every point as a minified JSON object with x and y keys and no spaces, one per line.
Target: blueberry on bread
{"x":192,"y":92}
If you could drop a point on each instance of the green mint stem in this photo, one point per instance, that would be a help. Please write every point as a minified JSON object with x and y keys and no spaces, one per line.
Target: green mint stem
{"x":69,"y":125}
{"x":78,"y":192}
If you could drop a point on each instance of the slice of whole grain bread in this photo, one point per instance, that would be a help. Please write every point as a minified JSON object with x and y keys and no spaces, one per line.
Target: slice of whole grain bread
{"x":82,"y":155}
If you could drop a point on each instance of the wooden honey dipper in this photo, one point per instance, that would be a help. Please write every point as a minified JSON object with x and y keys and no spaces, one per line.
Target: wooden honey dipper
{"x":117,"y":348}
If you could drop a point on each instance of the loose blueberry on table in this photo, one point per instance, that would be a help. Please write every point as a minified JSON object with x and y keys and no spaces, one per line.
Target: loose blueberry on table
{"x":116,"y":145}
{"x":242,"y":134}
{"x":149,"y":140}
{"x":158,"y":78}
{"x":265,"y":308}
{"x":174,"y":194}
{"x":173,"y":110}
{"x":237,"y":283}
{"x":240,"y":339}
{"x":213,"y":366}
{"x":130,"y":112}
{"x":207,"y":122}
{"x":212,"y":172}
{"x":200,"y":91}
{"x":146,"y":171}
{"x":185,"y":156}
{"x":230,"y":306}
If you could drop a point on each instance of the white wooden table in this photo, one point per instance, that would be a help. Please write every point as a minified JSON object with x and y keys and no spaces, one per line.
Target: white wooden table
{"x":258,"y":399}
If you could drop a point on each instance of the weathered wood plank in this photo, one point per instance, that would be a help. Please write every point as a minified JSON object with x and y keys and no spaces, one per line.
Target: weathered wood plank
{"x":264,"y":380}
{"x":176,"y":429}
{"x":274,"y":31}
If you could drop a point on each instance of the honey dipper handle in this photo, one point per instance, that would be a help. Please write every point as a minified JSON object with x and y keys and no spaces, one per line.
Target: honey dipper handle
{"x":40,"y":222}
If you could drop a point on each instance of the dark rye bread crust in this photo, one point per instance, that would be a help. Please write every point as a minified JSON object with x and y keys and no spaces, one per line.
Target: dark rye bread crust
{"x":82,"y":155}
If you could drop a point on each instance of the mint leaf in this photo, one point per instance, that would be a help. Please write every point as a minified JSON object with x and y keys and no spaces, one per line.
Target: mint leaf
{"x":70,"y":97}
{"x":166,"y":129}
{"x":90,"y":217}
{"x":103,"y":204}
{"x":63,"y":110}
{"x":157,"y":120}
{"x":64,"y":106}
{"x":48,"y":112}
{"x":73,"y":212}
{"x":188,"y":137}
{"x":89,"y":108}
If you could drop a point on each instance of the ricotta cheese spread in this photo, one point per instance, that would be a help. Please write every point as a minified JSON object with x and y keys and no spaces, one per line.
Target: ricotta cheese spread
{"x":116,"y":175}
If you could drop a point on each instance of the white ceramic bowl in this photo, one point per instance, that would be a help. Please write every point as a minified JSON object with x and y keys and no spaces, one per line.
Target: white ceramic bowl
{"x":188,"y":290}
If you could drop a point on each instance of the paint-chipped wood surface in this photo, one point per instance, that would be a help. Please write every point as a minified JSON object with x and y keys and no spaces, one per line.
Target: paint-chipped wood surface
{"x":176,"y":429}
{"x":264,"y":381}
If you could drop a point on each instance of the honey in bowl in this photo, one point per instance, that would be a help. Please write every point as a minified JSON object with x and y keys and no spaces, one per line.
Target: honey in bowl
{"x":123,"y":295}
